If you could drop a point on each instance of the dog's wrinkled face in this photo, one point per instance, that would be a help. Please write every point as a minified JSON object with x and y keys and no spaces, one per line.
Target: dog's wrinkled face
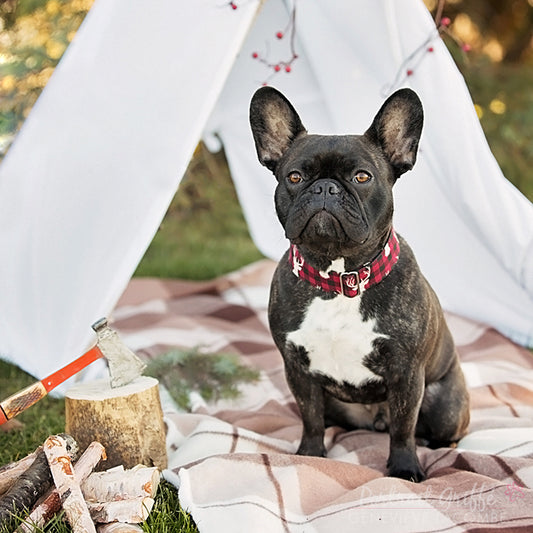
{"x":334,"y":193}
{"x":331,"y":196}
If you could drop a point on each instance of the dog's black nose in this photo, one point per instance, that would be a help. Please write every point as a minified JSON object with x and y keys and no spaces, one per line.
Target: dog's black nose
{"x":326,"y":187}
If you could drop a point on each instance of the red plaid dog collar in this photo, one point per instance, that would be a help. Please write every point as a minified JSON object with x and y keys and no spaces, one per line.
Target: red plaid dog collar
{"x":348,"y":283}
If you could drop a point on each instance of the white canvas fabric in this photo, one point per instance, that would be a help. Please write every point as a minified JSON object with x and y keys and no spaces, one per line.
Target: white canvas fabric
{"x":88,"y":179}
{"x":469,"y":227}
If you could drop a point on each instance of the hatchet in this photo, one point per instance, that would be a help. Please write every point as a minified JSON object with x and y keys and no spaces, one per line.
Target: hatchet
{"x":124,"y":367}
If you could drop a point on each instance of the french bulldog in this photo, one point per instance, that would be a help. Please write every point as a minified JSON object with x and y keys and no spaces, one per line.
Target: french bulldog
{"x":362,"y":334}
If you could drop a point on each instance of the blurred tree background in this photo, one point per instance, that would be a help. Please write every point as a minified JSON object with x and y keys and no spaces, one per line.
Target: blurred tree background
{"x":490,"y":40}
{"x":492,"y":44}
{"x":34,"y":34}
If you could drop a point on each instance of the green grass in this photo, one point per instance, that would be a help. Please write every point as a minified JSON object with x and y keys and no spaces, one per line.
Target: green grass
{"x":45,"y":419}
{"x":167,"y":515}
{"x":58,"y":524}
{"x":203,"y":234}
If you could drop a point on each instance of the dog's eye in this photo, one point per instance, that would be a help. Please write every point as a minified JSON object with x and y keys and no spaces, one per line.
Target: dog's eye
{"x":295,"y":177}
{"x":362,"y":177}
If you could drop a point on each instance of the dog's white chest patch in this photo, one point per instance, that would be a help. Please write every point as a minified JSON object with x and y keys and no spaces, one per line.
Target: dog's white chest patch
{"x":337,"y":339}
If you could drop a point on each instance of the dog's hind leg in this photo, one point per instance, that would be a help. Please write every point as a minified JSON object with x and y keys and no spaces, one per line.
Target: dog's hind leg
{"x":445,"y":410}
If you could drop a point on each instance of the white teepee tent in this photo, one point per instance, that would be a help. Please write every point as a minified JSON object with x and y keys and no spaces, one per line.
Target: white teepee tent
{"x":88,"y":179}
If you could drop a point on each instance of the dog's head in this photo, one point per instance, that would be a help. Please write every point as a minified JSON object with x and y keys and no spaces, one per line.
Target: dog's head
{"x":334,"y":192}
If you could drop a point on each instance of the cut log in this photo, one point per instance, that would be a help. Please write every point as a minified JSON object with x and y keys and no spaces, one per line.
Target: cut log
{"x":9,"y":473}
{"x":67,"y":485}
{"x":26,"y":490}
{"x":127,"y":420}
{"x":131,"y":511}
{"x":121,"y":485}
{"x":31,"y":484}
{"x":117,"y":527}
{"x":51,"y":505}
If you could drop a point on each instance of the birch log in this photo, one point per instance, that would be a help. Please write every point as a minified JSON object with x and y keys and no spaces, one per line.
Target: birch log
{"x":51,"y":505}
{"x":131,"y":511}
{"x":127,"y":420}
{"x":121,"y":485}
{"x":118,"y":527}
{"x":67,"y":485}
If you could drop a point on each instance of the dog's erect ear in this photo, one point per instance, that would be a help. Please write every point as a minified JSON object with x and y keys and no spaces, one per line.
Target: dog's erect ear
{"x":397,"y":128}
{"x":275,"y":125}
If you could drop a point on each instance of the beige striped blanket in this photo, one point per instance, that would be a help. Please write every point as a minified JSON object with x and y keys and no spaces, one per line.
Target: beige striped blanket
{"x":233,"y":459}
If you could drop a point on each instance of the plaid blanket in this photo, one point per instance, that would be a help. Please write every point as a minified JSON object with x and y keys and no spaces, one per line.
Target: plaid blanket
{"x":233,"y":460}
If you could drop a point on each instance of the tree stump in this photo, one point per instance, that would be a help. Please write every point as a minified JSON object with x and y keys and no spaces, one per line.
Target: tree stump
{"x":127,"y":421}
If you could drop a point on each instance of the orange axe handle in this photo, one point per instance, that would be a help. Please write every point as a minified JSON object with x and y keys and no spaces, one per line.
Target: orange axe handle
{"x":25,"y":398}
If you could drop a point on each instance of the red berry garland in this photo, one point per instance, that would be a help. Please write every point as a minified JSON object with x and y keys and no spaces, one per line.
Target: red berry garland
{"x":408,"y":66}
{"x":415,"y":58}
{"x":278,"y":66}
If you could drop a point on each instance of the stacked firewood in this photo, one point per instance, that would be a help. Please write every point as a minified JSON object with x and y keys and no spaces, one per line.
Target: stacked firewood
{"x":50,"y":479}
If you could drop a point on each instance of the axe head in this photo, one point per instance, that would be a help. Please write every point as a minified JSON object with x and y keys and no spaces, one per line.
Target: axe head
{"x":124,"y":365}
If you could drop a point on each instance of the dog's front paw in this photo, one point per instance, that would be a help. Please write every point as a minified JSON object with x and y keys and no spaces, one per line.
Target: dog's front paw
{"x":313,"y":447}
{"x":404,"y":464}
